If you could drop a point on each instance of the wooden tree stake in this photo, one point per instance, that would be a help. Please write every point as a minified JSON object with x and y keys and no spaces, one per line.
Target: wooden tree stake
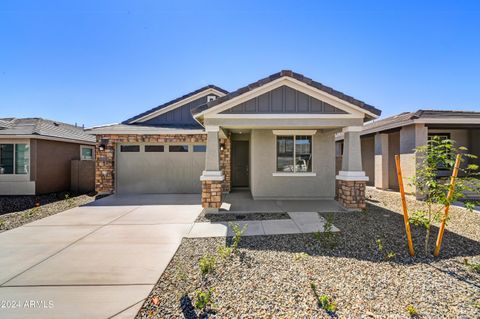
{"x":447,"y":207}
{"x":404,"y":206}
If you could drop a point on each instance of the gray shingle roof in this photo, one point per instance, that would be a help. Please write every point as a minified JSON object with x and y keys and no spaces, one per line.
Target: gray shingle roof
{"x":211,"y":86}
{"x":294,"y":75}
{"x":43,"y":127}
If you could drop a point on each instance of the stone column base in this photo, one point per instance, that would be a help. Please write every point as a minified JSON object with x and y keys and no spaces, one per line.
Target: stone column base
{"x":212,"y":193}
{"x":351,"y":194}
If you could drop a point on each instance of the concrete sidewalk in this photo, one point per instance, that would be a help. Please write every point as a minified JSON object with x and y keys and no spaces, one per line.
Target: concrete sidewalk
{"x":300,"y":222}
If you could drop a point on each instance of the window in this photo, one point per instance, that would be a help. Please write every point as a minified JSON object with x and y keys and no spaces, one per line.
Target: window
{"x":211,"y":98}
{"x":178,"y":148}
{"x":129,"y":148}
{"x":14,"y":159}
{"x":86,"y":153}
{"x":154,"y":148}
{"x":294,"y":154}
{"x":200,"y":148}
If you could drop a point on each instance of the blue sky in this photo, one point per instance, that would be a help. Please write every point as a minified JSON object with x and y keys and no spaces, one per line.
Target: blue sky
{"x":97,"y":62}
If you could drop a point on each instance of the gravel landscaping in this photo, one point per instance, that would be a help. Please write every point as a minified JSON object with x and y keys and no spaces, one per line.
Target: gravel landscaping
{"x":272,"y":276}
{"x":228,"y":217}
{"x":16,"y":211}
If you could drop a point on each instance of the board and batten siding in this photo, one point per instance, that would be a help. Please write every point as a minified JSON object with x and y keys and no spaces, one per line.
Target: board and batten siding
{"x":284,"y":100}
{"x":180,"y":116}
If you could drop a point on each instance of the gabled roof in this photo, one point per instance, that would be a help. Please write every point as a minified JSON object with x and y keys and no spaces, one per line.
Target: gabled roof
{"x":186,"y":96}
{"x":31,"y":127}
{"x":294,"y":75}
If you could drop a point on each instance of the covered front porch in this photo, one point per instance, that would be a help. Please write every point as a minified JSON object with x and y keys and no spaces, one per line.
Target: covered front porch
{"x":275,"y":139}
{"x":241,"y":201}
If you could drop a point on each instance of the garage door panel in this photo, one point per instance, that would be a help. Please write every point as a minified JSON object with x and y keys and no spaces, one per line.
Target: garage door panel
{"x":159,"y":172}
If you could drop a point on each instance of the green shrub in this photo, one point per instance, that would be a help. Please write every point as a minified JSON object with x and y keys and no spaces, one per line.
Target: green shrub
{"x":412,"y":311}
{"x":324,"y":301}
{"x":206,"y":264}
{"x":238,"y":233}
{"x":327,"y":238}
{"x":204,"y":299}
{"x":224,"y":251}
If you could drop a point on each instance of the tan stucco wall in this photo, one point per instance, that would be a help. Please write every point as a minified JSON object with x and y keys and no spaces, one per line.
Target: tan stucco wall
{"x":263,"y":159}
{"x":368,"y":158}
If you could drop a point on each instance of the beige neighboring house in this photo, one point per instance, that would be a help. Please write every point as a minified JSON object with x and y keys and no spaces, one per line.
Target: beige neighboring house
{"x":382,"y":139}
{"x":275,"y":137}
{"x":36,"y":157}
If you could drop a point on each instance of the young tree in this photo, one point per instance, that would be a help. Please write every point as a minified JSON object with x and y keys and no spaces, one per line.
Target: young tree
{"x":439,"y":154}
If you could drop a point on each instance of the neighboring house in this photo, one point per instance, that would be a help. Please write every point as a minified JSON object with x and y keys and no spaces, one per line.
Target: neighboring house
{"x":275,"y":136}
{"x":381,"y":140}
{"x":36,"y":157}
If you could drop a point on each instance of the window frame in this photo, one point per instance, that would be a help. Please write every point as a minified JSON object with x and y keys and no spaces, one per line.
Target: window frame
{"x":15,"y":143}
{"x":89,"y":147}
{"x":294,"y":173}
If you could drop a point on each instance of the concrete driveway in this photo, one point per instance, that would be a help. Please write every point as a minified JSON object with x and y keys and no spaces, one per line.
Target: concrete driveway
{"x":95,"y":261}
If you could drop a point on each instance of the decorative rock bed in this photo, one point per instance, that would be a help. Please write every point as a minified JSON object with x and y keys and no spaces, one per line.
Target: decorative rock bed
{"x":228,"y":217}
{"x":271,"y":276}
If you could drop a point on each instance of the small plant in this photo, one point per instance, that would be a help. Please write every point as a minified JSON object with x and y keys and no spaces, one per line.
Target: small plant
{"x":380,"y":245}
{"x":327,"y":238}
{"x":475,"y":267}
{"x":204,"y":299}
{"x":439,"y":154}
{"x":387,"y":255}
{"x":324,"y":301}
{"x":238,"y":233}
{"x":206,"y":264}
{"x":224,"y":251}
{"x":412,"y":311}
{"x":300,"y":256}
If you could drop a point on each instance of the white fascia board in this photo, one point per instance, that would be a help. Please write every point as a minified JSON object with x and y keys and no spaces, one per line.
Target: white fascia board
{"x":294,"y":132}
{"x":44,"y":137}
{"x":448,"y":120}
{"x":147,"y":132}
{"x":296,"y":85}
{"x":178,"y":104}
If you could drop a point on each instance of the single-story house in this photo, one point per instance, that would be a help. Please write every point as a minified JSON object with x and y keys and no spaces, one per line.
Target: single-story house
{"x":382,"y":139}
{"x":36,"y":157}
{"x":275,"y":137}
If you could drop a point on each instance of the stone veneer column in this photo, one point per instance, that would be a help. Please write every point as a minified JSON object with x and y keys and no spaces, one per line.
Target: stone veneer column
{"x":212,"y":177}
{"x":351,"y":180}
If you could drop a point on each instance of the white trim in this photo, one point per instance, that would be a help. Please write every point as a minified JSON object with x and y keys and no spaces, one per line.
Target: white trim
{"x":294,"y":84}
{"x":212,"y":128}
{"x":294,"y":132}
{"x":306,"y":174}
{"x":352,"y":173}
{"x":89,"y":147}
{"x":352,"y":176}
{"x":285,"y":116}
{"x":352,"y":129}
{"x":448,"y":120}
{"x":43,"y":137}
{"x":149,"y":131}
{"x":175,"y":105}
{"x":212,"y":176}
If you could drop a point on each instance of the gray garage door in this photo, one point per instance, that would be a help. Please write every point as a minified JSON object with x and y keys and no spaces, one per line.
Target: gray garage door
{"x":159,"y":168}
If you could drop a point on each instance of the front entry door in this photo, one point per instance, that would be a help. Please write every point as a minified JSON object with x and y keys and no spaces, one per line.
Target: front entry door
{"x":240,"y":157}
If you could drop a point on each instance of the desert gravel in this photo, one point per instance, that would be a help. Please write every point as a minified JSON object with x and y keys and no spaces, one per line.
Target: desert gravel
{"x":271,"y":276}
{"x":227,"y":217}
{"x":48,"y":205}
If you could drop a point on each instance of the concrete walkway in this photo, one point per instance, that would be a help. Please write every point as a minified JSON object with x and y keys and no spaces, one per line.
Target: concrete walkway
{"x":98,"y":261}
{"x":300,"y":222}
